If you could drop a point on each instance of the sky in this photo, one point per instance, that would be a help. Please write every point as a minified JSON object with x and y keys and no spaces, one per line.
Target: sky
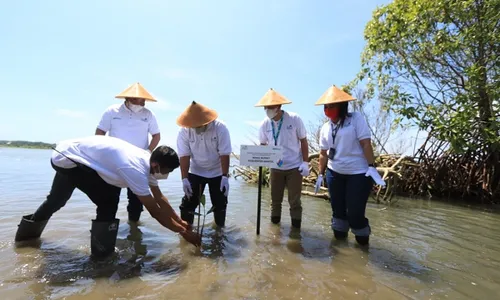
{"x":62,"y":62}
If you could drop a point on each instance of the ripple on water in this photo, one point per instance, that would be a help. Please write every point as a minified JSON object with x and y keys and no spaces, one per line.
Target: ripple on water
{"x":419,"y":250}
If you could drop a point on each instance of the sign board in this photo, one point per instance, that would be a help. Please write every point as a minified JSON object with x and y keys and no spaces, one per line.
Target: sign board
{"x":261,"y":156}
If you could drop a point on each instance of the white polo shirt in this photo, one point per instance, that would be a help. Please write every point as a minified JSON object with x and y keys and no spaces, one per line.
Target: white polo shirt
{"x":205,"y":149}
{"x":349,"y":156}
{"x":121,"y":122}
{"x":291,"y":132}
{"x":118,"y":162}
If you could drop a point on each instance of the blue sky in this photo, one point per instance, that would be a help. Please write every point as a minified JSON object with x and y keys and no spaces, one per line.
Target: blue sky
{"x":62,"y":62}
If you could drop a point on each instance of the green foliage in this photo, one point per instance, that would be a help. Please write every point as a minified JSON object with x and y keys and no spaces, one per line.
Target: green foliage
{"x":436,"y":63}
{"x":202,"y":199}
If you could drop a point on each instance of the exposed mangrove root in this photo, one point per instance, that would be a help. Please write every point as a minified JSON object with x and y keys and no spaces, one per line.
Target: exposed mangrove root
{"x":434,"y":171}
{"x":473,"y":175}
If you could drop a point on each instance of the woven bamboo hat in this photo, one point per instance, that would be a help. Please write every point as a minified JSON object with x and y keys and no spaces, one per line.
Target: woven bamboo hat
{"x":136,"y":90}
{"x":272,"y":98}
{"x":334,"y":95}
{"x":196,"y":115}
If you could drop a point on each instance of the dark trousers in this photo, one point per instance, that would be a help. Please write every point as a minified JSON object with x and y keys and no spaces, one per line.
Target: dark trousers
{"x":219,"y":200}
{"x":134,"y":206}
{"x":348,"y":197}
{"x":102,"y":194}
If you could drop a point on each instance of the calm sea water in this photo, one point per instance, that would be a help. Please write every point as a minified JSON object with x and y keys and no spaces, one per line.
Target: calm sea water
{"x":419,"y":249}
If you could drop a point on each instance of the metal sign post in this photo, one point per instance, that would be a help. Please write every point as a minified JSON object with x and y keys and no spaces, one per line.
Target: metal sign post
{"x":260,"y":156}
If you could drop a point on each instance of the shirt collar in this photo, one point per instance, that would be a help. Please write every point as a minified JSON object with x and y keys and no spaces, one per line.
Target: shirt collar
{"x":125,"y":108}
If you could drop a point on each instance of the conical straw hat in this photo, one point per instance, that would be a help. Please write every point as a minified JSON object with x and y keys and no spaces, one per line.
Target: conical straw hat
{"x":272,"y":98}
{"x":196,"y":115}
{"x":136,"y":90}
{"x":334,"y":95}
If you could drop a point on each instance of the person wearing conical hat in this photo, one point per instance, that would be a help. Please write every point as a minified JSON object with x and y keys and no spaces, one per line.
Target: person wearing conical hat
{"x":285,"y":129}
{"x":131,"y":121}
{"x":204,"y":146}
{"x":346,"y":155}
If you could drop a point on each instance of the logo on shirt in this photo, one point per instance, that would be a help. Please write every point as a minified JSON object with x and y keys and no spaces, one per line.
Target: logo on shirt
{"x":279,"y":162}
{"x":144,"y":119}
{"x":117,"y":118}
{"x":289,"y":126}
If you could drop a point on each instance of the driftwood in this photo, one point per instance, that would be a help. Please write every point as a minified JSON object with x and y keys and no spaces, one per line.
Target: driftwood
{"x":390,"y":168}
{"x":435,"y":170}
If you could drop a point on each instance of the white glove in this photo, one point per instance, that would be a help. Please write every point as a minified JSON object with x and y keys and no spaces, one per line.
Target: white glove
{"x":375,"y":175}
{"x":186,"y":185}
{"x":304,"y":169}
{"x":224,"y":184}
{"x":319,"y":182}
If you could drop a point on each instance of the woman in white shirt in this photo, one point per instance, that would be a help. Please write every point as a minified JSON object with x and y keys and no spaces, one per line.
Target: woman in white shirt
{"x":346,"y":155}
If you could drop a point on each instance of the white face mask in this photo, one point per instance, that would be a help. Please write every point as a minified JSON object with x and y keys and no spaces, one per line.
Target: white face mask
{"x":135,"y":108}
{"x":271,"y":113}
{"x":201,"y":129}
{"x":160,"y":176}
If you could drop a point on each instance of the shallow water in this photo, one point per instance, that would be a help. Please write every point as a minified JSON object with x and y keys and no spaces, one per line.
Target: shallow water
{"x":419,"y":249}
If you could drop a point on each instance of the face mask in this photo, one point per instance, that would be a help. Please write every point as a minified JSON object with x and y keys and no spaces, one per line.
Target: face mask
{"x":135,"y":108}
{"x":200,"y":130}
{"x":332,"y":112}
{"x":160,"y":176}
{"x":271,"y":113}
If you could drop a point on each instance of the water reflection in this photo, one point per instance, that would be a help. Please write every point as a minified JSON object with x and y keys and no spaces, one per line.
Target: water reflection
{"x":419,"y":250}
{"x":53,"y":263}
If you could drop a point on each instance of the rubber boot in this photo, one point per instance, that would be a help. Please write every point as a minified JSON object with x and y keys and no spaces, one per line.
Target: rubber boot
{"x":29,"y":229}
{"x":276,"y":220}
{"x":340,"y":235}
{"x":362,"y":240}
{"x":220,"y":218}
{"x":103,"y":237}
{"x":296,"y":223}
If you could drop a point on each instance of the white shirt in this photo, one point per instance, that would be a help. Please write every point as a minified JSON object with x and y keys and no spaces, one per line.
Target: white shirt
{"x":349,"y":156}
{"x":291,"y":132}
{"x":119,"y":121}
{"x":205,"y":149}
{"x":118,"y":162}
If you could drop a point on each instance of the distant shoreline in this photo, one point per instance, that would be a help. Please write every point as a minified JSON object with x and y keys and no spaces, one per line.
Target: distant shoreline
{"x":26,"y":145}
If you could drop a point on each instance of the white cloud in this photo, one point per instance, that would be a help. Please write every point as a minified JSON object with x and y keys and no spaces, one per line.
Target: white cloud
{"x":253,"y":123}
{"x":71,"y":113}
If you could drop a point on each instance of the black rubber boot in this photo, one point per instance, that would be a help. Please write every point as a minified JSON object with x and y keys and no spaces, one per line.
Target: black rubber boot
{"x":103,"y":237}
{"x":296,"y":223}
{"x":275,"y":220}
{"x":29,"y":229}
{"x":220,"y":218}
{"x":362,"y":240}
{"x":340,"y":235}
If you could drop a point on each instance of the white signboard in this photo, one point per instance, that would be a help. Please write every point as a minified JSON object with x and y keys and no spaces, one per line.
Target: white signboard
{"x":261,"y":156}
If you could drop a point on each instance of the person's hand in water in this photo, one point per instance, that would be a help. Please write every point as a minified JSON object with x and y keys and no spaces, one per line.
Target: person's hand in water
{"x":192,"y":237}
{"x":186,"y":225}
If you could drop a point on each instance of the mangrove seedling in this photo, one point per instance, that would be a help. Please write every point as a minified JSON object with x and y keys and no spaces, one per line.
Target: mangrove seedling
{"x":202,"y":203}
